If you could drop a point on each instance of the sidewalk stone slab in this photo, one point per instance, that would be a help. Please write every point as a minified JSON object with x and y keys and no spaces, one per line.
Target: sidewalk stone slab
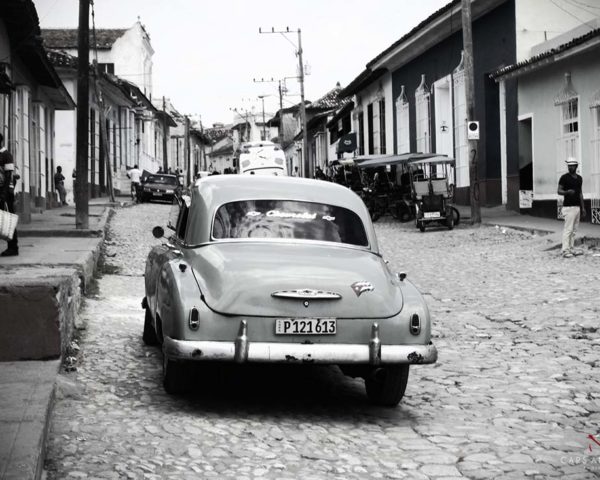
{"x":25,"y":404}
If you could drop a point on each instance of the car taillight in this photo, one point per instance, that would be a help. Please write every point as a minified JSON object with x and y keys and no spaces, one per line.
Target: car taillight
{"x":415,"y":324}
{"x":194,"y":319}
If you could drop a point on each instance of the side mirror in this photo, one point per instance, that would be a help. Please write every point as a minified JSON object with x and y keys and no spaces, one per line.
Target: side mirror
{"x":158,"y":232}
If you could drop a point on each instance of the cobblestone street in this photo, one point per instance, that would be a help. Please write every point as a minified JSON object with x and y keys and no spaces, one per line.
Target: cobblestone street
{"x":515,"y":393}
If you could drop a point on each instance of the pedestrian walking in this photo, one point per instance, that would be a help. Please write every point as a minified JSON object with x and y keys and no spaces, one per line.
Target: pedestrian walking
{"x":295,"y":172}
{"x":59,"y":185}
{"x":8,"y":180}
{"x":569,"y":186}
{"x":135,"y":175}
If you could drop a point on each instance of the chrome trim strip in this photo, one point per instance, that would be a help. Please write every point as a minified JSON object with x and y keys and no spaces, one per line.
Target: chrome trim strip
{"x":305,"y":293}
{"x":297,"y":353}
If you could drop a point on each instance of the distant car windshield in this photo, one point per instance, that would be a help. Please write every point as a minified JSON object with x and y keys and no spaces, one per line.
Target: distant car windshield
{"x":163,"y":179}
{"x":288,"y":219}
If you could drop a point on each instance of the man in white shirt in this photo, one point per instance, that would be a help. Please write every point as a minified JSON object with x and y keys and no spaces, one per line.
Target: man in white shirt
{"x":135,"y":174}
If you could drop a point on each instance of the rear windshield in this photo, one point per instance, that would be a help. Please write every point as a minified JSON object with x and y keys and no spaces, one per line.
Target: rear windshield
{"x":164,"y":179}
{"x":288,"y":219}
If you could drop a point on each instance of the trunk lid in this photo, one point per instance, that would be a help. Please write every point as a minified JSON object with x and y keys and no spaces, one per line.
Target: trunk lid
{"x":240,"y":278}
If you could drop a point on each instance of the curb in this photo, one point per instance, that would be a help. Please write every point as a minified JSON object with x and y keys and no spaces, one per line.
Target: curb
{"x":29,"y":387}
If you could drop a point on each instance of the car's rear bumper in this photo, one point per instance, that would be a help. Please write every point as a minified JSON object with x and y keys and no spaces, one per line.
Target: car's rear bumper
{"x":326,"y":353}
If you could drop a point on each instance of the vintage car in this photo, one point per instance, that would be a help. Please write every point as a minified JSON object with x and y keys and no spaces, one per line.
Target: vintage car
{"x":159,"y":186}
{"x":281,"y":269}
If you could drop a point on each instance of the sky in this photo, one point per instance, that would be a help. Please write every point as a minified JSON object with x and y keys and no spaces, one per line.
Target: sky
{"x":208,"y":54}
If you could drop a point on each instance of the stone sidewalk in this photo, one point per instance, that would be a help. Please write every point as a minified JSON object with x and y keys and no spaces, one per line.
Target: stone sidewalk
{"x":41,"y":290}
{"x":55,"y":265}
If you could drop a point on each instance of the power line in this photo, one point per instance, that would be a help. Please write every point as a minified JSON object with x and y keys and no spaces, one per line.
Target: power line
{"x":572,"y":14}
{"x":579,"y":2}
{"x":576,"y":5}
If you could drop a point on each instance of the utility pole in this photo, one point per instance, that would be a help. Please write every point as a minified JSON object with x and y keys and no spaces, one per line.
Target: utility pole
{"x":307,"y":170}
{"x":165,"y":136}
{"x":280,"y":136}
{"x":82,"y":209}
{"x":264,"y":129}
{"x":470,"y":99}
{"x":186,"y":148}
{"x":305,"y":165}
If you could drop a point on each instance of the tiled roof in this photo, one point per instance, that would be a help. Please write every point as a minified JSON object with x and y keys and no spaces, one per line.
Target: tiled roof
{"x":546,"y":55}
{"x":66,"y":38}
{"x":62,"y":59}
{"x":330,"y":100}
{"x":216,"y":134}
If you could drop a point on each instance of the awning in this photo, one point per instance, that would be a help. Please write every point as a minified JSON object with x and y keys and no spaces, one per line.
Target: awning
{"x":371,"y":161}
{"x":347,"y":143}
{"x":436,"y":160}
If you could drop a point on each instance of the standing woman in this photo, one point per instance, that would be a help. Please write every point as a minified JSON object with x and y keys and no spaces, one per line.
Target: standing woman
{"x":7,"y":192}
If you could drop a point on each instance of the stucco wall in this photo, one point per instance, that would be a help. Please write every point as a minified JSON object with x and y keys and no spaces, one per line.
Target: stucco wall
{"x":536,"y":96}
{"x":369,"y":95}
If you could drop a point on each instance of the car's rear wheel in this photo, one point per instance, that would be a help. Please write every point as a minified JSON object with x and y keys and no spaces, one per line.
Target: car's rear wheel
{"x":387,"y":385}
{"x":149,"y":335}
{"x":174,"y":376}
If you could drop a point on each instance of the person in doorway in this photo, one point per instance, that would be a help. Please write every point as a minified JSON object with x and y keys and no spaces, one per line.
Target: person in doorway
{"x":569,"y":186}
{"x":8,"y":179}
{"x":59,"y":185}
{"x":135,"y":174}
{"x":295,"y":172}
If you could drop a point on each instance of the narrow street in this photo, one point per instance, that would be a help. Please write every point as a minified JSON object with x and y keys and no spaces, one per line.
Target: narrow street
{"x":515,"y":393}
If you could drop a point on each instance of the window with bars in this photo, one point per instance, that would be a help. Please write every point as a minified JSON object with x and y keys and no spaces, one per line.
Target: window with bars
{"x":423,"y":121}
{"x":568,"y":141}
{"x":361,"y":133}
{"x":382,"y":145}
{"x":107,"y":67}
{"x":370,"y":133}
{"x":402,"y":125}
{"x":461,"y":150}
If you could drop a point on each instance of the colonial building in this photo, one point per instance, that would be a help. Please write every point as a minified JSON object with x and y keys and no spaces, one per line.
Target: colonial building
{"x":135,"y":128}
{"x":411,"y":97}
{"x":30,"y":92}
{"x":220,"y":153}
{"x":558,"y":117}
{"x":127,"y":114}
{"x":323,"y":138}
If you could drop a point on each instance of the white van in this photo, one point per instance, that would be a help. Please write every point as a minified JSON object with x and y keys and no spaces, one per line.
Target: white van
{"x":262,"y":158}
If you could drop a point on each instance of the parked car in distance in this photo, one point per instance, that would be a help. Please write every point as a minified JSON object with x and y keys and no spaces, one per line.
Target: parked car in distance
{"x":281,"y":269}
{"x":160,"y":186}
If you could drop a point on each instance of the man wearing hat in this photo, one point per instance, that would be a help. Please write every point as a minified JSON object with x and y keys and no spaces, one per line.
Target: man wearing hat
{"x":569,"y":186}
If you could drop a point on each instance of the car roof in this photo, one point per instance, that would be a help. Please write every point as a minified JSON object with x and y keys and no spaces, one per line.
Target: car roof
{"x":209,"y":193}
{"x":227,"y":188}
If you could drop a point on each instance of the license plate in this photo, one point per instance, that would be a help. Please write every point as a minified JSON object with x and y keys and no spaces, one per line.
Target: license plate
{"x":305,"y":326}
{"x":432,"y":214}
{"x":156,"y":194}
